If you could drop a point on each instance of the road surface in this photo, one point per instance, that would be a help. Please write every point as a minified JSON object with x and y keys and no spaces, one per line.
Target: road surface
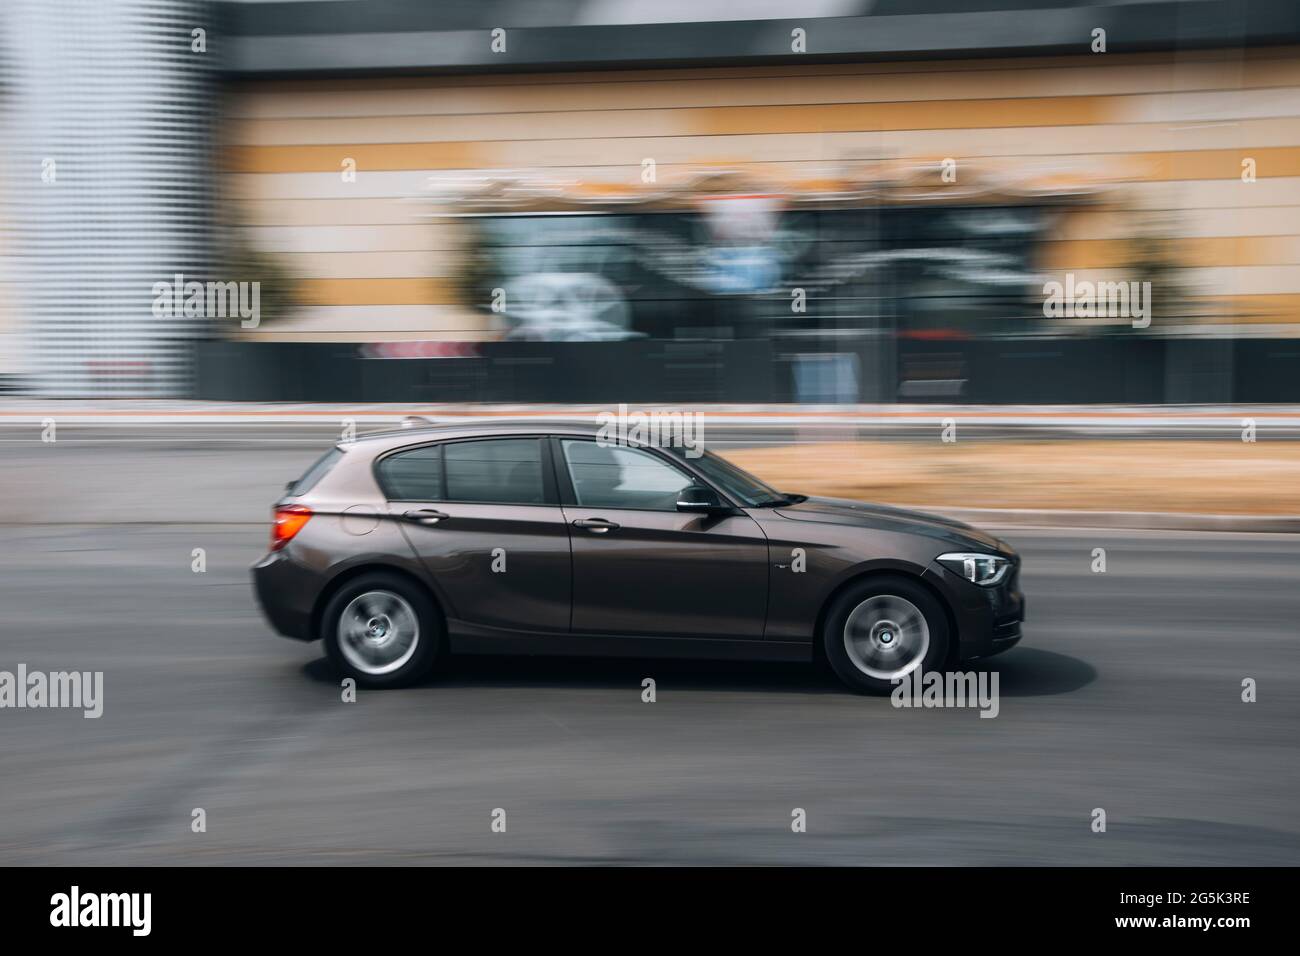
{"x":1125,"y":696}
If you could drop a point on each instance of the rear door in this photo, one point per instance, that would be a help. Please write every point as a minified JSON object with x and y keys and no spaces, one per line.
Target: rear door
{"x":483,"y":516}
{"x":641,"y":567}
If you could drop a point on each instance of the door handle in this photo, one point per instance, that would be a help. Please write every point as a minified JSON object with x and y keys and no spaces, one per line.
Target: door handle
{"x":425,"y":516}
{"x":595,"y":525}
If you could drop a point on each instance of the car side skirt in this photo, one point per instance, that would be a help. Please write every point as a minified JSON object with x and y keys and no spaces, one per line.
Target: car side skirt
{"x":466,"y":638}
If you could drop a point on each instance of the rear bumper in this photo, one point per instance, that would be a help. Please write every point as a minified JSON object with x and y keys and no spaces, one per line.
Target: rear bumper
{"x":286,"y":592}
{"x":988,"y":620}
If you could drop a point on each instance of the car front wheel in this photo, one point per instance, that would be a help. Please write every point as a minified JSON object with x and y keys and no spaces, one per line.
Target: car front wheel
{"x":881,"y":630}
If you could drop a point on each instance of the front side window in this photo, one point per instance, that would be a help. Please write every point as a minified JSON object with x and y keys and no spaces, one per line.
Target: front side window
{"x":608,"y":476}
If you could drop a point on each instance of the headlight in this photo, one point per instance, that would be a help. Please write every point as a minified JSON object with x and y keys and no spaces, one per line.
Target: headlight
{"x":983,"y":569}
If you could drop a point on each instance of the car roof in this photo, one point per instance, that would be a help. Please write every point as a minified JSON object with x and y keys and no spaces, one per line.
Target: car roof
{"x":460,"y":428}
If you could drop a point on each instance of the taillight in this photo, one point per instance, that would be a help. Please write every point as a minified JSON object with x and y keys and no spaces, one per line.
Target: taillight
{"x":289,"y":520}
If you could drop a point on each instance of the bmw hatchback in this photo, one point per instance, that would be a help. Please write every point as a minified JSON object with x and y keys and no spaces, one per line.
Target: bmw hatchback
{"x":400,"y":548}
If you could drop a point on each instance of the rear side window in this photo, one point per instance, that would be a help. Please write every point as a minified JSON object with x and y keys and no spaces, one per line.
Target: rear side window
{"x":499,"y":471}
{"x":414,"y":475}
{"x":494,"y":471}
{"x":316,"y":472}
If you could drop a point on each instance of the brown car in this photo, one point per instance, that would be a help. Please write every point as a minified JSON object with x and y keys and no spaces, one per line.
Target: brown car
{"x":540,"y":538}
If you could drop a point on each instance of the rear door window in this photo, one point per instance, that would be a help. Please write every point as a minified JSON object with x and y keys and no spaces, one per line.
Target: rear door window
{"x":504,"y":471}
{"x":495,"y":471}
{"x":413,"y":475}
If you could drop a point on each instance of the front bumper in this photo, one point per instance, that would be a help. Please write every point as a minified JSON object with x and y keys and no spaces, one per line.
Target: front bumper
{"x":988,"y":619}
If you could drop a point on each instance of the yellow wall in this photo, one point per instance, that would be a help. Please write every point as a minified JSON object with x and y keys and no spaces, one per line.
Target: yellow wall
{"x":1170,"y":130}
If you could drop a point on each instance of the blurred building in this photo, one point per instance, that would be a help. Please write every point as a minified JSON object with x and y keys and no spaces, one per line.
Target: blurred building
{"x":829,"y":201}
{"x":106,"y":118}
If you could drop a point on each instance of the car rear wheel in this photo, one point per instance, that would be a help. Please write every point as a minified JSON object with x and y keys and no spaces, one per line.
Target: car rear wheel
{"x":382,"y":631}
{"x":881,"y":630}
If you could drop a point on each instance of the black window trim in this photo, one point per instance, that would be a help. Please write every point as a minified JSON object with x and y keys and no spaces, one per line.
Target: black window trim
{"x":549,"y":491}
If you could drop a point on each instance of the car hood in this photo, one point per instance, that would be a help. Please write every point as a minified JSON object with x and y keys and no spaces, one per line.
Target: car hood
{"x":863,"y":514}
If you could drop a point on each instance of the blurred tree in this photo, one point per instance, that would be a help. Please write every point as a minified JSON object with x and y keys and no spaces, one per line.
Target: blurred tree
{"x":1151,"y":256}
{"x":280,"y":294}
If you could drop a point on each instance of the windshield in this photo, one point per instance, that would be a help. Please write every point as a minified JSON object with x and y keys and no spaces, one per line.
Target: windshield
{"x":736,"y":482}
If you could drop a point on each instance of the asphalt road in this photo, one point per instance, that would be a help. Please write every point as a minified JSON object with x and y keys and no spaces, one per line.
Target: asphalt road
{"x":1125,"y":695}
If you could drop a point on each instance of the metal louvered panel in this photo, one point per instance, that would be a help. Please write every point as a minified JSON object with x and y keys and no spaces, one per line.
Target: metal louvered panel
{"x":108,"y":114}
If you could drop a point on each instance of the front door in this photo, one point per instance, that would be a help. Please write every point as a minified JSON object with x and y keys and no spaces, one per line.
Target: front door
{"x":640,"y":566}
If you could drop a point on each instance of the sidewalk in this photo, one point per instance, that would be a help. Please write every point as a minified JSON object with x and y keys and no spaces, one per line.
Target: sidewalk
{"x":1137,"y":416}
{"x":1111,"y":467}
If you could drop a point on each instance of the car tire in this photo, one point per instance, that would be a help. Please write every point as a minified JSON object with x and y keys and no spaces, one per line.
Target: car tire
{"x":382,"y":630}
{"x":883,"y":628}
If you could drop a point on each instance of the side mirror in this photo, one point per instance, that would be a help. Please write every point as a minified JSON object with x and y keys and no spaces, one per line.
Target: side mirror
{"x":699,"y":498}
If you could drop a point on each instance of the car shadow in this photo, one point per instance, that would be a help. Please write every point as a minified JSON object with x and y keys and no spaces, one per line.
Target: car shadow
{"x":1033,"y":672}
{"x":1022,"y":672}
{"x":616,"y":673}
